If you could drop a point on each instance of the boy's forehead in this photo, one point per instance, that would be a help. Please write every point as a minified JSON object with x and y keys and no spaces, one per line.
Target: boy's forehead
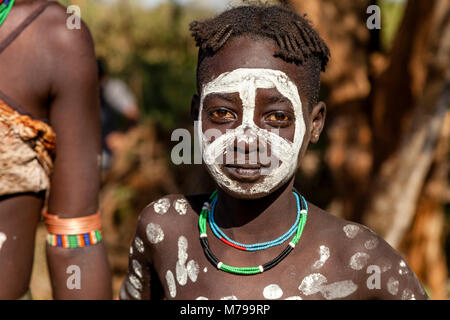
{"x":248,"y":82}
{"x":245,"y":53}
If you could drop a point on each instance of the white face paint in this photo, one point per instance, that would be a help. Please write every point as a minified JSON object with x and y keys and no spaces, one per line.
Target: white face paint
{"x":245,"y":82}
{"x":272,"y":291}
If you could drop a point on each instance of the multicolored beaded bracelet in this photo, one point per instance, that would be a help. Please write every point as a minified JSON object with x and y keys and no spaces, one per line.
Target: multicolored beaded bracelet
{"x":74,"y":241}
{"x":246,"y":270}
{"x":73,"y":232}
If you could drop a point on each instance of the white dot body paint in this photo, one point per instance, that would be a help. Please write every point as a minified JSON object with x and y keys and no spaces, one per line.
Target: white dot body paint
{"x":392,"y":286}
{"x":317,"y":282}
{"x":132,"y":291}
{"x":161,"y":206}
{"x":403,"y":268}
{"x":205,"y":269}
{"x":139,"y":244}
{"x":324,"y":254}
{"x":3,"y":238}
{"x":385,"y":265}
{"x":171,"y":284}
{"x":312,"y":284}
{"x":154,"y":233}
{"x":184,"y":271}
{"x":351,"y":230}
{"x":294,"y":298}
{"x":272,"y":291}
{"x":123,"y":295}
{"x":135,"y":282}
{"x":337,"y":290}
{"x":193,"y":270}
{"x":180,"y":206}
{"x":407,"y":294}
{"x":201,"y":298}
{"x":246,"y":81}
{"x":229,"y":298}
{"x":359,"y":260}
{"x":180,"y":268}
{"x":137,"y":268}
{"x":131,"y":251}
{"x":372,"y":243}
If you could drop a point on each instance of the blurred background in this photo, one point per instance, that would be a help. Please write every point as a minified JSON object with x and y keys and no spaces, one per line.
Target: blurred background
{"x":383,"y":159}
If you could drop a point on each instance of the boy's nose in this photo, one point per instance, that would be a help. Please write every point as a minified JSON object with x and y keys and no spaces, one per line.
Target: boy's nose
{"x":248,"y":142}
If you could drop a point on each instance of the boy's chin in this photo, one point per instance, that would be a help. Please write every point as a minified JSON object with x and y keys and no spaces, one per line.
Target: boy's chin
{"x":243,"y":191}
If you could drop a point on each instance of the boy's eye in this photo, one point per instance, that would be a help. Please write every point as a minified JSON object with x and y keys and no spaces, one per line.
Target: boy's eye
{"x":278,"y":116}
{"x":222,"y":114}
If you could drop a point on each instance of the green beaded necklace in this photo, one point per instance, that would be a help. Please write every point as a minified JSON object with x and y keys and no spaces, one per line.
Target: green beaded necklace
{"x":203,"y":218}
{"x":5,"y":8}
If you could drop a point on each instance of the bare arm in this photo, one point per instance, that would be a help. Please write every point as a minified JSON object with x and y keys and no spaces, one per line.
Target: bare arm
{"x":141,"y":281}
{"x":75,"y":118}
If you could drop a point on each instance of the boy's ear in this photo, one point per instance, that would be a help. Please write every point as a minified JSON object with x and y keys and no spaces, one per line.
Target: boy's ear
{"x":318,"y":115}
{"x":195,"y":106}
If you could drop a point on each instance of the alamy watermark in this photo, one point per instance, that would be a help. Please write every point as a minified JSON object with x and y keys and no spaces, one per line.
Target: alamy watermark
{"x":73,"y":22}
{"x":74,"y":280}
{"x":248,"y":148}
{"x":374,"y":20}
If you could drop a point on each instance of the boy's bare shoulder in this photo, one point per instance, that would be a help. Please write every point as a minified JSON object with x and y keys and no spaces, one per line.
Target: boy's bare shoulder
{"x":171,"y":212}
{"x":361,"y":253}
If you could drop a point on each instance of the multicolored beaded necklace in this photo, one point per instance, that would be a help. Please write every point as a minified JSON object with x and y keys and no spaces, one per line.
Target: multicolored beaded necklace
{"x":258,"y":246}
{"x":5,"y":8}
{"x":207,"y":210}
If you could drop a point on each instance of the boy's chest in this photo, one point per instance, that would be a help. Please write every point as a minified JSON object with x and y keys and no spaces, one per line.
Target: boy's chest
{"x":190,"y":275}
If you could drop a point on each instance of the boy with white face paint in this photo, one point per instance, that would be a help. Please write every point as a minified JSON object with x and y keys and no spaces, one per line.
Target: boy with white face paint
{"x":284,"y":153}
{"x":256,"y":237}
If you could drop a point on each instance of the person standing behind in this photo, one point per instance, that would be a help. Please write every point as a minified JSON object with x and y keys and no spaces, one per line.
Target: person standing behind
{"x":50,"y":149}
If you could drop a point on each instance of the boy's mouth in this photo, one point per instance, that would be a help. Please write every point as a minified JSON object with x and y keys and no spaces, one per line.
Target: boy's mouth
{"x":243,"y":172}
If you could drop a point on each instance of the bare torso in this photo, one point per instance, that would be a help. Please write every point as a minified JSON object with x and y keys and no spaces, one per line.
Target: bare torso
{"x":334,"y":259}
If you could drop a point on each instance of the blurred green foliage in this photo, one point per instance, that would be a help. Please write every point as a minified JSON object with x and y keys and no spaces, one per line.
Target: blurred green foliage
{"x":391,"y":16}
{"x":152,"y":50}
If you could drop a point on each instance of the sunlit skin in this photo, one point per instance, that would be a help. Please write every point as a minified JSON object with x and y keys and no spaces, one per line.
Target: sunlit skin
{"x":259,"y":219}
{"x":51,"y":72}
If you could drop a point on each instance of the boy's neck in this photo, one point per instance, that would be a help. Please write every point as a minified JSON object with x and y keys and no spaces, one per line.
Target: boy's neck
{"x":256,"y":220}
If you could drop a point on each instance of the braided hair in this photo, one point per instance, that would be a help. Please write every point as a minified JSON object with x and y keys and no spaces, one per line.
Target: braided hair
{"x":296,"y":39}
